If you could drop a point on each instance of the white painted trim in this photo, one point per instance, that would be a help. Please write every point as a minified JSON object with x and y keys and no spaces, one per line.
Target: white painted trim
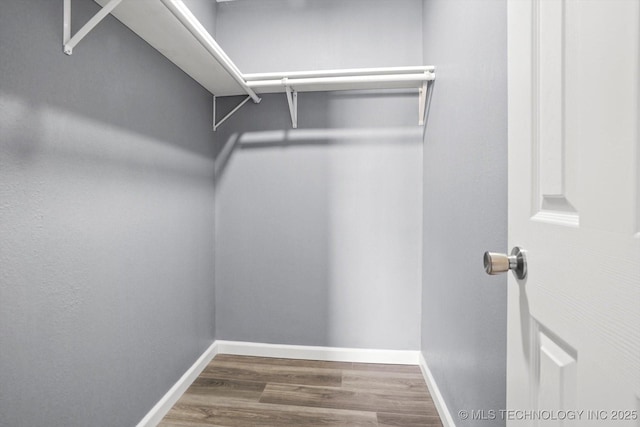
{"x":441,"y":406}
{"x":332,"y":354}
{"x":163,"y":406}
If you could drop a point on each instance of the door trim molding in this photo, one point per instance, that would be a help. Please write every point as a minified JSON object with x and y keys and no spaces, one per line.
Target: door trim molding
{"x":441,"y":405}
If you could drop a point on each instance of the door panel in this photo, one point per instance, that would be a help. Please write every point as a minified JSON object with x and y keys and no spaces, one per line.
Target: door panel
{"x":574,"y":193}
{"x":556,"y":375}
{"x":548,"y":53}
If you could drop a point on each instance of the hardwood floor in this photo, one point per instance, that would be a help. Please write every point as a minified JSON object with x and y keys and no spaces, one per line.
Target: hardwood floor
{"x":258,"y":391}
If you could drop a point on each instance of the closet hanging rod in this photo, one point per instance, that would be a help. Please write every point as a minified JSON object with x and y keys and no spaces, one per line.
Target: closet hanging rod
{"x":340,"y":73}
{"x":371,"y":79}
{"x":191,"y":23}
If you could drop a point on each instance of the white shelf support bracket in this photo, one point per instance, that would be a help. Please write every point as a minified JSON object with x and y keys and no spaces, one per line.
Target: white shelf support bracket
{"x":292,"y":99}
{"x":216,"y":125}
{"x":423,"y":92}
{"x":422,"y":107}
{"x":70,"y":42}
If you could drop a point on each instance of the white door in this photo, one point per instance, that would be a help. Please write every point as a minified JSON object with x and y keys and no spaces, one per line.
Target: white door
{"x":574,"y":206}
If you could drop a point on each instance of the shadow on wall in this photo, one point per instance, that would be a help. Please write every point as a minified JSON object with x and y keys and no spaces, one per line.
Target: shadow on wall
{"x":319,"y":228}
{"x":32,"y":131}
{"x":113,"y":79}
{"x":309,"y":137}
{"x":323,"y":134}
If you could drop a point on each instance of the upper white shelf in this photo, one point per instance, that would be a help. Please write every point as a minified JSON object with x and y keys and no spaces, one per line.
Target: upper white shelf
{"x":160,"y":23}
{"x":171,"y":28}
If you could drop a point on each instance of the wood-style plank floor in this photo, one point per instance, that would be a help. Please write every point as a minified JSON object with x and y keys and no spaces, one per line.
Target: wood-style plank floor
{"x":258,"y":391}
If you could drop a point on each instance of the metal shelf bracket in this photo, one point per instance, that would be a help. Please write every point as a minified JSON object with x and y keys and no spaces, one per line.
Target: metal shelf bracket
{"x":422,"y":97}
{"x":216,"y":125}
{"x":70,"y":42}
{"x":292,"y":99}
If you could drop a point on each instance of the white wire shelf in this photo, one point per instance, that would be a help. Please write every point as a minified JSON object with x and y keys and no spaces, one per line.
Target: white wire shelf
{"x":171,"y":28}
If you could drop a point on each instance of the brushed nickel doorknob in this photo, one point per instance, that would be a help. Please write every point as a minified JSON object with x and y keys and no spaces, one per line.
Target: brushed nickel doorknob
{"x":496,"y":263}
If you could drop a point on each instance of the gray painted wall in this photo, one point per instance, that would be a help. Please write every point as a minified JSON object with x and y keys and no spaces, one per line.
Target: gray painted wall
{"x":318,"y":233}
{"x":205,"y":11}
{"x":106,"y":221}
{"x":290,"y":35}
{"x":465,"y":193}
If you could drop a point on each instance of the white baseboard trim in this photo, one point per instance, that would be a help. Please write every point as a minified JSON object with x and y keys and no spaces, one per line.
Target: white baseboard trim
{"x":332,"y":354}
{"x":441,"y":406}
{"x":163,"y":406}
